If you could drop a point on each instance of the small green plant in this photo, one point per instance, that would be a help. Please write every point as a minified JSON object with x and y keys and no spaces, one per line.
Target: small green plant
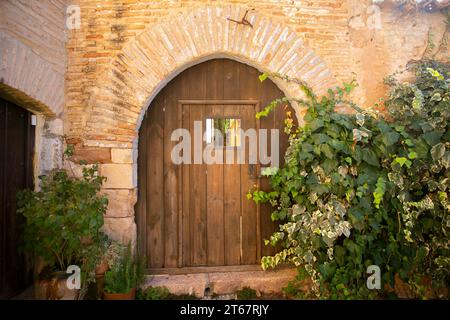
{"x":246,"y":293}
{"x":296,"y":288}
{"x":126,"y":274}
{"x":153,"y":293}
{"x":92,"y":256}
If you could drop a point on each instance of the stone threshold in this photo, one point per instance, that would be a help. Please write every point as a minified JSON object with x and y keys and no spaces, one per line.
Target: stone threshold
{"x":220,"y":283}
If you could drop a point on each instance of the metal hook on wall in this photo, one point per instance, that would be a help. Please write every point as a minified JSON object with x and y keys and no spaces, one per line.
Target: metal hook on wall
{"x":243,"y":21}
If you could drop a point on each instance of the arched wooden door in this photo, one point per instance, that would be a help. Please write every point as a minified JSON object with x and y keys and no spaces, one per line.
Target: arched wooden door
{"x":198,"y":215}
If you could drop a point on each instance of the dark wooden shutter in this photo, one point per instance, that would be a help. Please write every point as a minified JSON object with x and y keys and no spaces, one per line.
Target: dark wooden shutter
{"x":16,"y":173}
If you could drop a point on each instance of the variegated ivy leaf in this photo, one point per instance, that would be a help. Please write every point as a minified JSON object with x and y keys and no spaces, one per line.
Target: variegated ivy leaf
{"x":360,"y":119}
{"x":297,"y":210}
{"x":339,"y":208}
{"x":397,"y":179}
{"x":418,"y":98}
{"x":358,"y":135}
{"x":343,"y":170}
{"x":269,"y":171}
{"x":436,"y":97}
{"x":438,"y":151}
{"x":313,"y":197}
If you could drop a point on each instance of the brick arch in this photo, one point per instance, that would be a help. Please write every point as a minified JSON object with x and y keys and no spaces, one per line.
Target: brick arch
{"x":153,"y":58}
{"x":29,"y":80}
{"x":165,"y":49}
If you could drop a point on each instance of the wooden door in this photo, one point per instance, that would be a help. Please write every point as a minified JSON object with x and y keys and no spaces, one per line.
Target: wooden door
{"x":16,"y":173}
{"x":198,"y":215}
{"x":221,"y":225}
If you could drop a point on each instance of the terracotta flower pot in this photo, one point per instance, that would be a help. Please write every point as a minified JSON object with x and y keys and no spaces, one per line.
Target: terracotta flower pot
{"x":120,"y":296}
{"x":101,"y":268}
{"x":54,"y":288}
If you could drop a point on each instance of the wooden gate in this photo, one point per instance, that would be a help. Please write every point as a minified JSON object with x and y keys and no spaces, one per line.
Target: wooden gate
{"x":198,"y":215}
{"x":16,"y":173}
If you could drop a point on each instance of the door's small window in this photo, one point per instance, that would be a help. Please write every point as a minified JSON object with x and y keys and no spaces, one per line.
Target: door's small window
{"x":223,"y":132}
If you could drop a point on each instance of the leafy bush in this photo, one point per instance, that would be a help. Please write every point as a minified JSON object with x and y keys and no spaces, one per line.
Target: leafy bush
{"x":126,"y":274}
{"x":358,"y":189}
{"x":63,"y":217}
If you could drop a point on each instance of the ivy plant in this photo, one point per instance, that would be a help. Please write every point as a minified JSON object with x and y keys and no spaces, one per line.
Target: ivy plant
{"x":362,"y":188}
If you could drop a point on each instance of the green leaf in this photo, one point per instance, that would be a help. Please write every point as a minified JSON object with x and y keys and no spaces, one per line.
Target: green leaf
{"x":437,"y":151}
{"x":379,"y":192}
{"x":263,"y":76}
{"x":269,"y":171}
{"x":436,"y":74}
{"x":436,"y":97}
{"x":446,"y":160}
{"x":432,"y":138}
{"x":369,"y":156}
{"x":327,"y":151}
{"x":412,"y":155}
{"x":402,"y":161}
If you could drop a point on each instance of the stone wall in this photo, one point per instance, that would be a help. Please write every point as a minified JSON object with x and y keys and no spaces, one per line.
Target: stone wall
{"x":32,"y":70}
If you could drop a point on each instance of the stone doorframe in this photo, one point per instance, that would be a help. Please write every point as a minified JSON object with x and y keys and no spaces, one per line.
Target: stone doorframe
{"x":154,"y":57}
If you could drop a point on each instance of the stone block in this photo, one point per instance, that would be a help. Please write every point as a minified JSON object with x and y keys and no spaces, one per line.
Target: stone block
{"x":119,"y":176}
{"x":120,"y":202}
{"x":91,"y":155}
{"x":122,"y":155}
{"x":121,"y":229}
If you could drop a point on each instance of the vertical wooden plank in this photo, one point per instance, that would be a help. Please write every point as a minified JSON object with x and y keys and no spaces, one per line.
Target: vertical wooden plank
{"x":186,"y":169}
{"x":268,"y":91}
{"x":214,"y":79}
{"x":198,"y":197}
{"x":214,"y":183}
{"x":248,"y":78}
{"x":196,"y":80}
{"x":183,"y":81}
{"x":180,"y":194}
{"x":170,"y":177}
{"x":232,"y":176}
{"x":16,"y":149}
{"x":232,"y":203}
{"x":3,"y":137}
{"x":141,"y":205}
{"x":250,"y":224}
{"x":155,"y":183}
{"x":214,"y":201}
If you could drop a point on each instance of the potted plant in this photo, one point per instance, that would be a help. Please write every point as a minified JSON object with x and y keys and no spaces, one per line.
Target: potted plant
{"x":96,"y":261}
{"x":61,"y":221}
{"x":123,"y":278}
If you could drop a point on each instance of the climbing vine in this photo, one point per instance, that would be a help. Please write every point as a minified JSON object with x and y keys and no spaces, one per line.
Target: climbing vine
{"x":364,"y":189}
